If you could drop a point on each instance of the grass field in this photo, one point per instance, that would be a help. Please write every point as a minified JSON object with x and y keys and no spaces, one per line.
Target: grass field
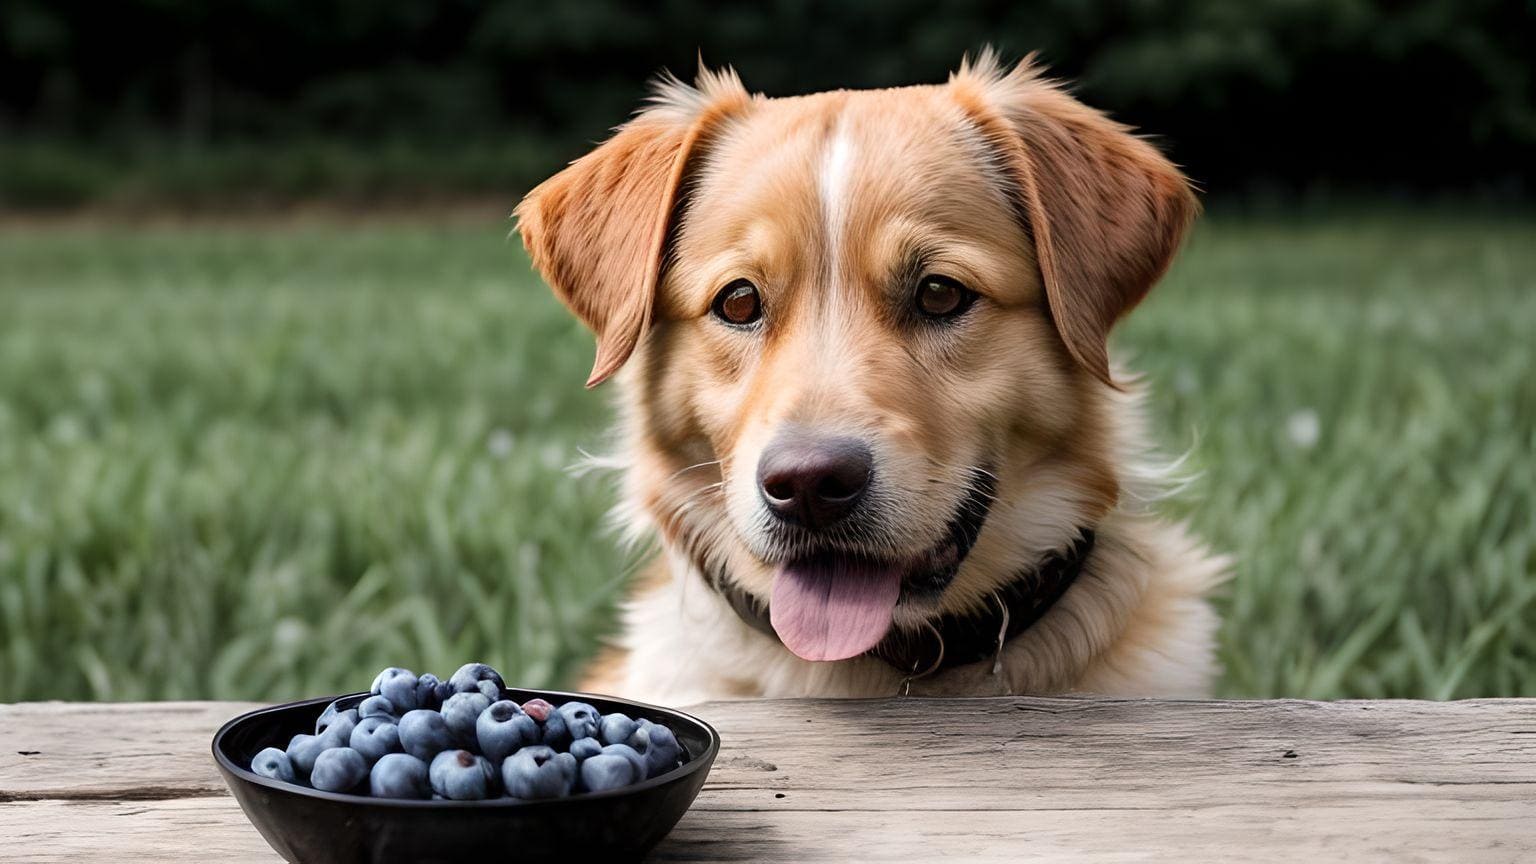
{"x":263,"y":461}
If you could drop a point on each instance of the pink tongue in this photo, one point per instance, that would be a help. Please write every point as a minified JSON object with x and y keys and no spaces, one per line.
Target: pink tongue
{"x":833,"y":609}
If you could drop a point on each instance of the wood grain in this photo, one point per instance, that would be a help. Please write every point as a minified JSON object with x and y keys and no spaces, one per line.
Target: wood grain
{"x":912,"y":779}
{"x":86,"y":750}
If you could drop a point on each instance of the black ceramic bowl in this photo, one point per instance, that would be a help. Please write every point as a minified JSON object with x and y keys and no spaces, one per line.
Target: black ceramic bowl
{"x":313,"y":827}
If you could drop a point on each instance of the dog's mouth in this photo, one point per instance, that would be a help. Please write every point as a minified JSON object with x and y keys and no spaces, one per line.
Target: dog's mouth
{"x":834,"y":605}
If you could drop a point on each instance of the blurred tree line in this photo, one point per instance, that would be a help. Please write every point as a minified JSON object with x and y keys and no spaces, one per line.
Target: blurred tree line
{"x":294,"y":97}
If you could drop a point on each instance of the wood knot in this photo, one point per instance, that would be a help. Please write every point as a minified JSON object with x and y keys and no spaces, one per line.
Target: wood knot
{"x":749,"y":763}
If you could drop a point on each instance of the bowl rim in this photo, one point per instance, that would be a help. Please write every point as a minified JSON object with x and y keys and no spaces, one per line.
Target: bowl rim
{"x":701,"y":762}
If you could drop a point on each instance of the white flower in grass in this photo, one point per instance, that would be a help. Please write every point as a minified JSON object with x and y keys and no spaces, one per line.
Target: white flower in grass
{"x":289,"y":634}
{"x":1310,"y":551}
{"x":1185,"y":382}
{"x":554,"y":456}
{"x":67,"y":429}
{"x":1302,"y":428}
{"x":499,"y":443}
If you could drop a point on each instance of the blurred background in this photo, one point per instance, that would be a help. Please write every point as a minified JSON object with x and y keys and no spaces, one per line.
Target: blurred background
{"x":281,"y":403}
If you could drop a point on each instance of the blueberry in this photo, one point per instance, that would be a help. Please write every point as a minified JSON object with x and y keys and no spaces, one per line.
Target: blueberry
{"x":489,"y":689}
{"x":273,"y":763}
{"x":502,"y":728}
{"x":375,"y":736}
{"x":469,"y":677}
{"x":399,"y":775}
{"x":339,"y":769}
{"x":460,"y":713}
{"x":555,"y":733}
{"x":326,"y":715}
{"x":424,"y":734}
{"x":552,"y":730}
{"x":604,"y":771}
{"x":439,"y":765}
{"x":659,"y":747}
{"x":428,"y":694}
{"x":460,"y":775}
{"x":616,"y":728}
{"x":378,"y":680}
{"x":539,"y":772}
{"x":331,"y":712}
{"x":377,"y":706}
{"x":538,"y":709}
{"x":581,"y":719}
{"x":398,"y":686}
{"x":585,"y":748}
{"x":303,"y":749}
{"x":631,"y":755}
{"x":640,"y":723}
{"x":338,"y":729}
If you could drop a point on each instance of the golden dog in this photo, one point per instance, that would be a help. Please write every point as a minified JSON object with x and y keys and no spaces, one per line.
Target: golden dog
{"x":868,"y":410}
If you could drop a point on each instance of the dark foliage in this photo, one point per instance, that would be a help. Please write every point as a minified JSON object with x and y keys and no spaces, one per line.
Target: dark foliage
{"x":1286,"y":94}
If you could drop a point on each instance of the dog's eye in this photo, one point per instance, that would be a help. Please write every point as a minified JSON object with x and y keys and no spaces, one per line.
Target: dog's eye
{"x":942,"y":297}
{"x":738,"y":304}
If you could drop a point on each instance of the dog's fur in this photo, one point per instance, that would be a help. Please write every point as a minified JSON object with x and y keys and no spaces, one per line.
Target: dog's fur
{"x":1060,"y":220}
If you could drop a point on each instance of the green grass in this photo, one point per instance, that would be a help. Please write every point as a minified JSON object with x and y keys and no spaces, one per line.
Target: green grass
{"x":129,"y":173}
{"x":264,"y":461}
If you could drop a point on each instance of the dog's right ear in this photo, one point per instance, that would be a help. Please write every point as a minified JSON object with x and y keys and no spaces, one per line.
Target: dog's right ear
{"x":597,"y":231}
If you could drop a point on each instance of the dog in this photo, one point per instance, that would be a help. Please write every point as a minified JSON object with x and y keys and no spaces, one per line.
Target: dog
{"x":867,"y":410}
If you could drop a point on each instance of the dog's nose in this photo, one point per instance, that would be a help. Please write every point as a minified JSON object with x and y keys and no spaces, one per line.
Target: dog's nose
{"x":814,"y":481}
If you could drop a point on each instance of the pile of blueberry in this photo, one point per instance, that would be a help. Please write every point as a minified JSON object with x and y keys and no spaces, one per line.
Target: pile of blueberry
{"x":420,"y":737}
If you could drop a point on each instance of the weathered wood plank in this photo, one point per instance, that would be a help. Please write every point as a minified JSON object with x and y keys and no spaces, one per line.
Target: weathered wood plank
{"x":1067,"y":753}
{"x":111,"y":750}
{"x":166,"y":830}
{"x":978,"y":779}
{"x":1230,"y":833}
{"x":213,"y":829}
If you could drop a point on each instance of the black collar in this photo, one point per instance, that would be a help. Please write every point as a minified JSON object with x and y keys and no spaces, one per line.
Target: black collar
{"x":956,"y":640}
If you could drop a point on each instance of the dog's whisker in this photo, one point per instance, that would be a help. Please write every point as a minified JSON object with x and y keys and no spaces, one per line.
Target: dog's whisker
{"x":686,"y":506}
{"x":685,"y":509}
{"x":681,"y":471}
{"x":697,"y":465}
{"x":966,"y":490}
{"x":977,"y":469}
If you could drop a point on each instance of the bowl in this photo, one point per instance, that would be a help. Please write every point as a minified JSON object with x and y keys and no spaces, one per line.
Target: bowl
{"x":315,"y":827}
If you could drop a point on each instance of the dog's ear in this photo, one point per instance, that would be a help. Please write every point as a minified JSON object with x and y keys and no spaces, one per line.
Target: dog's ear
{"x":1107,"y":211}
{"x":597,"y":231}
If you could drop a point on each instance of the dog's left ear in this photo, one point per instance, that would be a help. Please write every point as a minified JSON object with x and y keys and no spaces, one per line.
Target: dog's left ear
{"x":1106,"y":210}
{"x":597,"y":230}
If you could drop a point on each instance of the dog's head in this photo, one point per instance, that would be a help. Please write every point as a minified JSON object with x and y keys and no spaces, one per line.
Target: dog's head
{"x":867,"y":330}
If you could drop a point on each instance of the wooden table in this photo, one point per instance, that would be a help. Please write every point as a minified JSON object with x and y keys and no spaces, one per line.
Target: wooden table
{"x":906,"y":780}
